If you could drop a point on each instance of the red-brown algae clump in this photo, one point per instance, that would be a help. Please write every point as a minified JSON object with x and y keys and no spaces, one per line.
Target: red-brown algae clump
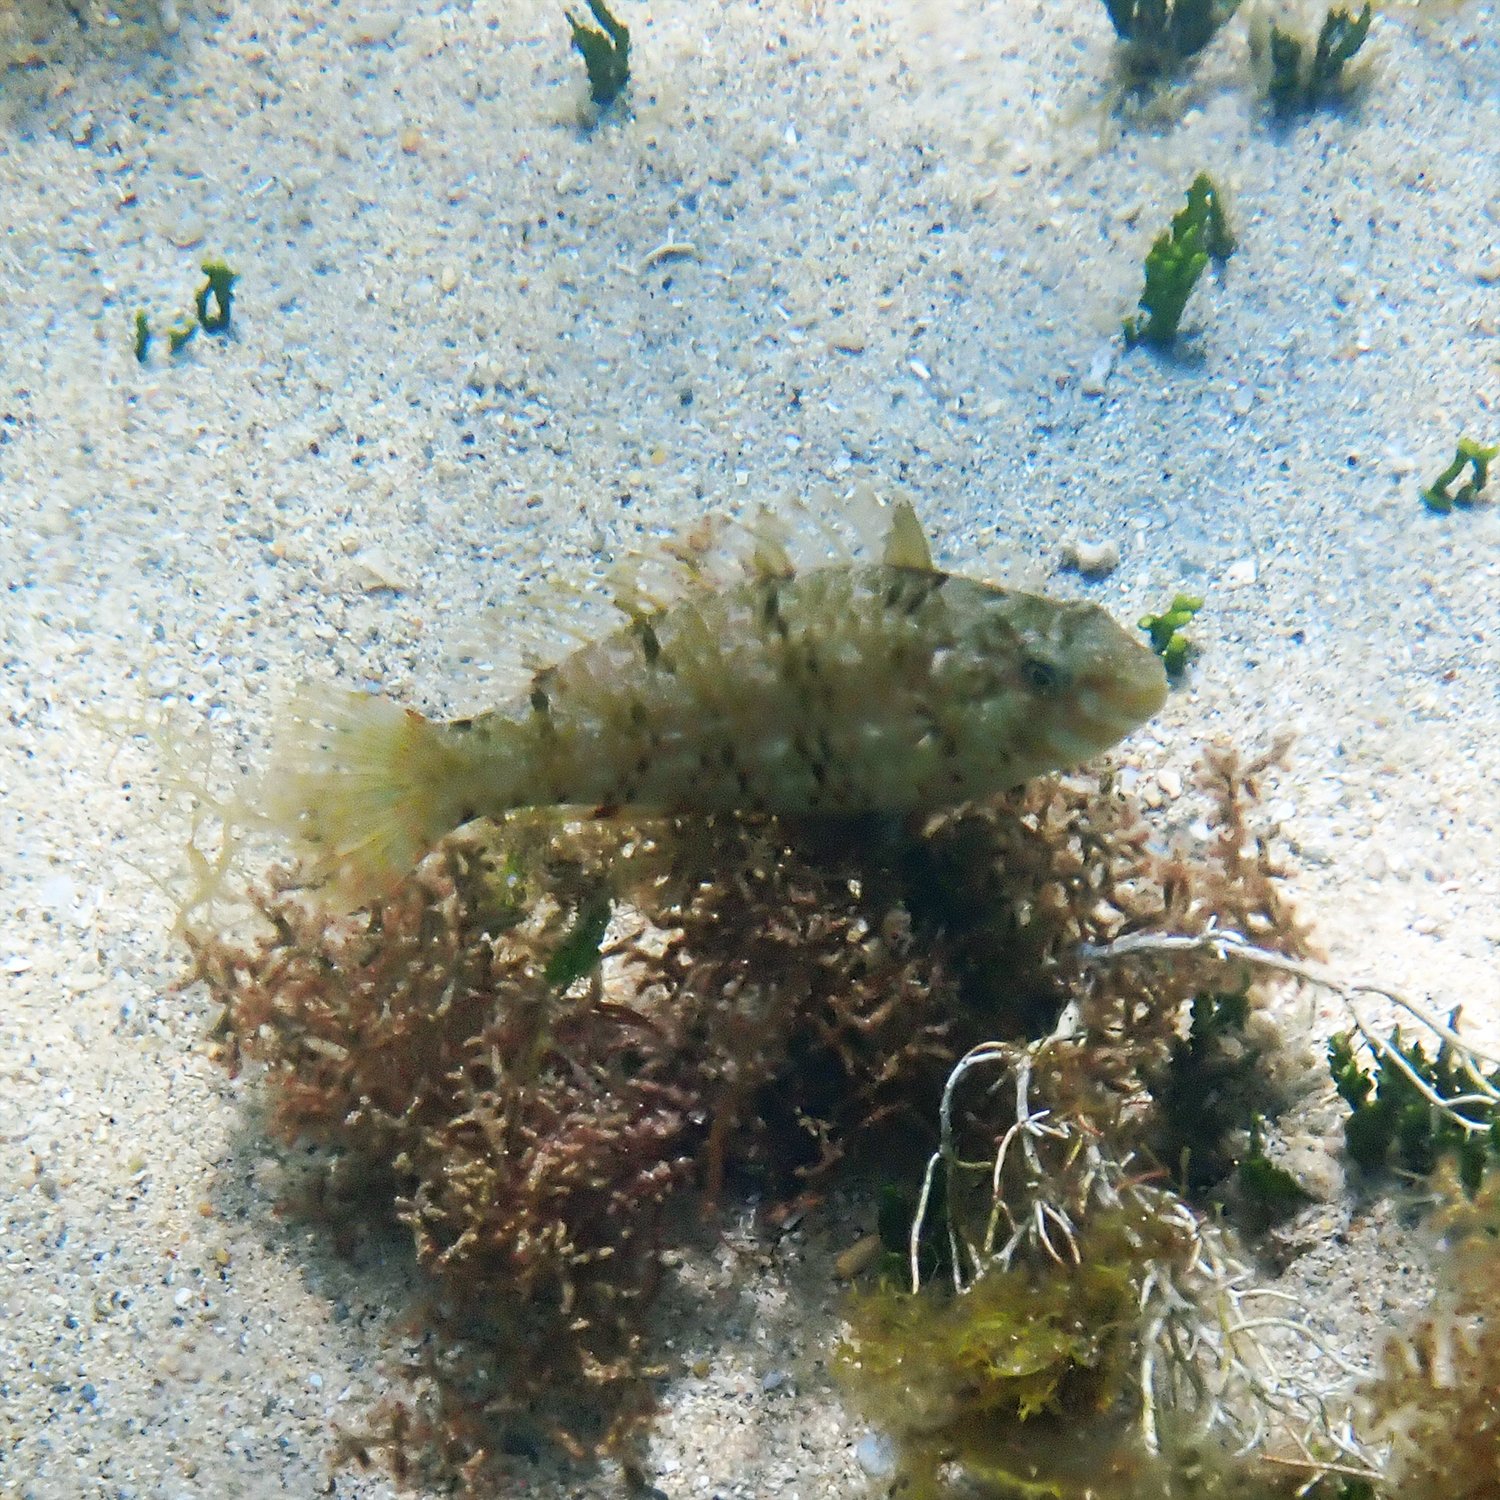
{"x":769,"y":995}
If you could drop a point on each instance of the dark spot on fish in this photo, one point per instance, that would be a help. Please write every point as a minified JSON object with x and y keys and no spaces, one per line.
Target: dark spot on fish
{"x":650,"y":644}
{"x":540,"y":702}
{"x":467,"y":815}
{"x":461,"y":726}
{"x":1042,"y":675}
{"x":936,"y":732}
{"x":642,"y":765}
{"x":928,"y":585}
{"x":771,"y":611}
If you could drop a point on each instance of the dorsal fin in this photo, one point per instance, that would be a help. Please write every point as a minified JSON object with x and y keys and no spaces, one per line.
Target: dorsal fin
{"x":770,"y":556}
{"x":905,"y":542}
{"x":544,"y":625}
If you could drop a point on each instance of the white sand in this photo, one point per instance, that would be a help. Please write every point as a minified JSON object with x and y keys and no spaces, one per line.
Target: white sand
{"x":914,"y":235}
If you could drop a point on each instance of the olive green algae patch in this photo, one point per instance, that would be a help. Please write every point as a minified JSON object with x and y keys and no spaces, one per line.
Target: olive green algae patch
{"x":605,"y":50}
{"x":1476,"y":457}
{"x":1157,"y":35}
{"x":1302,"y":73}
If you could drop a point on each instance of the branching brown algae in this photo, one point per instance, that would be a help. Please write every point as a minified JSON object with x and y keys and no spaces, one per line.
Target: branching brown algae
{"x":768,"y":998}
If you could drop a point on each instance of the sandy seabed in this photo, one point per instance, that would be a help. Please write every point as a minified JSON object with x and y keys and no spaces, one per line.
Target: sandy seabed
{"x":475,"y":343}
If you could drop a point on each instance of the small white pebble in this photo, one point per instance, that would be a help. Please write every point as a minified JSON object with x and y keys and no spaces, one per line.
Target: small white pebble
{"x":448,"y":278}
{"x":1093,"y":559}
{"x":374,"y":571}
{"x":185,"y":232}
{"x":875,"y":1454}
{"x":1096,"y":377}
{"x":374,"y":28}
{"x":1240,"y":573}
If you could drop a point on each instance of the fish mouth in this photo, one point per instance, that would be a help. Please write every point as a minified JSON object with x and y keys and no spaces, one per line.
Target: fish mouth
{"x":1107,"y":705}
{"x":1134,"y":693}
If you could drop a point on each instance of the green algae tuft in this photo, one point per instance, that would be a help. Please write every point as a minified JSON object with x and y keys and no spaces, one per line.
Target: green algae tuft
{"x":1199,"y":233}
{"x":1165,"y":630}
{"x":1441,"y":497}
{"x":1157,"y":35}
{"x":605,"y":51}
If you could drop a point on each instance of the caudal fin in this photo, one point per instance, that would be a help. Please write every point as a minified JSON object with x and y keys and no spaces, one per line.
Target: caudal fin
{"x":368,"y":787}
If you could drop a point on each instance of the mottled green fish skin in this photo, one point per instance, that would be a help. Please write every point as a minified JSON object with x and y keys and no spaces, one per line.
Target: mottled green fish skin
{"x":886,"y":688}
{"x":858,"y":689}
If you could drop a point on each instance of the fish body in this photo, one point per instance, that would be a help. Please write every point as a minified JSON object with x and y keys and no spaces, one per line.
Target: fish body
{"x":885,"y":687}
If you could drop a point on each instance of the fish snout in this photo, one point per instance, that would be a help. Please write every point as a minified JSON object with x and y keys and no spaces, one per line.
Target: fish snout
{"x":1117,"y":697}
{"x":1139,"y":689}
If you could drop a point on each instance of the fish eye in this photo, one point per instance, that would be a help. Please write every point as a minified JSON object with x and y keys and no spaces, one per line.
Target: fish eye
{"x":1042,"y":675}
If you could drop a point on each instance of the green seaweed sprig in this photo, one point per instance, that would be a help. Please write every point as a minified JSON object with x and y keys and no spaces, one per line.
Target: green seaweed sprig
{"x":1200,"y":232}
{"x":1393,"y":1119}
{"x":1268,"y":1192}
{"x":180,"y":334}
{"x":1165,"y":630}
{"x":1302,"y":76}
{"x":605,"y":52}
{"x":578,"y":953}
{"x":1207,"y":1097}
{"x":1440,"y":497}
{"x":1163,"y":33}
{"x":1198,"y":1093}
{"x":219,"y":287}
